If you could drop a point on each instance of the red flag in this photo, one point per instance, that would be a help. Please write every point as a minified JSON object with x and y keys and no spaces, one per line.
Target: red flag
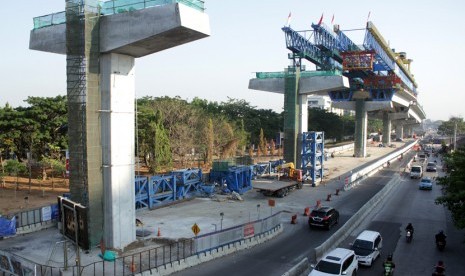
{"x":289,"y":19}
{"x":321,"y":20}
{"x":332,"y":20}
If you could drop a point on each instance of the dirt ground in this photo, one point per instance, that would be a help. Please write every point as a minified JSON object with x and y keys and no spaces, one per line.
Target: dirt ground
{"x":13,"y":200}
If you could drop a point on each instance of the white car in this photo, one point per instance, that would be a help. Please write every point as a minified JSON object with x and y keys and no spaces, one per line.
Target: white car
{"x":367,"y":247}
{"x":426,"y":183}
{"x":339,"y":261}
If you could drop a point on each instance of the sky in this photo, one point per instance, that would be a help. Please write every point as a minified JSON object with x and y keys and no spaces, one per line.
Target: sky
{"x":246,"y":37}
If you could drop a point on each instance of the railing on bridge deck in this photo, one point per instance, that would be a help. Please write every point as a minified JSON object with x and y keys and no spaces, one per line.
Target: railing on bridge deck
{"x":114,"y":7}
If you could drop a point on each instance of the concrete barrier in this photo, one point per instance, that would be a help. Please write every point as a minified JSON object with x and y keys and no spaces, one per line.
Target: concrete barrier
{"x":299,"y":268}
{"x":367,"y":171}
{"x":213,"y":254}
{"x":343,"y":232}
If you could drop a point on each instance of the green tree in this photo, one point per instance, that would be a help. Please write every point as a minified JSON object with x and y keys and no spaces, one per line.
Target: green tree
{"x":448,"y":127}
{"x":15,"y":168}
{"x":262,"y":144}
{"x":454,"y":186}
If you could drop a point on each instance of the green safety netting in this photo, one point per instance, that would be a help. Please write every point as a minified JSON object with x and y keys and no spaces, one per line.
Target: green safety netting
{"x":267,"y":75}
{"x":117,"y":6}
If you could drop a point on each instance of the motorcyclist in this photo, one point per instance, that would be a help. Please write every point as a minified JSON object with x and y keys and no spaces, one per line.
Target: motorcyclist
{"x":441,"y":237}
{"x":439,"y":269}
{"x":410,"y":228}
{"x":389,"y":265}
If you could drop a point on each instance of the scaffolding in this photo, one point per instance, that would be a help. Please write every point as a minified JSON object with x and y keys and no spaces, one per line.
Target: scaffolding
{"x":82,"y":71}
{"x":312,"y":155}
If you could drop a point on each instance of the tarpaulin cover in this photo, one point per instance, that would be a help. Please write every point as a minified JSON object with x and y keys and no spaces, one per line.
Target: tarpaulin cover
{"x":7,"y":227}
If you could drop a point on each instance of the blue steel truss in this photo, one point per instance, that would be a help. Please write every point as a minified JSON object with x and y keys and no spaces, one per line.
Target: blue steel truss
{"x":261,"y":169}
{"x":142,"y":192}
{"x":304,"y":48}
{"x":187,"y":181}
{"x":326,"y":39}
{"x":313,"y":155}
{"x":162,"y":189}
{"x":238,"y":179}
{"x":156,"y":190}
{"x":382,"y":94}
{"x":341,"y":95}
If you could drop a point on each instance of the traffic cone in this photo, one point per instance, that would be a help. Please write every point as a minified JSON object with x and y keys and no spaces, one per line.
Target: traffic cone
{"x":307,"y":211}
{"x":294,"y":219}
{"x":159,"y":232}
{"x":132,"y":267}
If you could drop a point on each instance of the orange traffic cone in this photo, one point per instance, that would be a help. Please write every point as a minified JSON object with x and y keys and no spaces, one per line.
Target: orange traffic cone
{"x":132,"y":267}
{"x":307,"y":211}
{"x":294,"y":219}
{"x":159,"y":232}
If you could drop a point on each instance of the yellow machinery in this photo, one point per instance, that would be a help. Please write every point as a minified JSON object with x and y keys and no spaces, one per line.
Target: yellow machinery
{"x":289,"y":170}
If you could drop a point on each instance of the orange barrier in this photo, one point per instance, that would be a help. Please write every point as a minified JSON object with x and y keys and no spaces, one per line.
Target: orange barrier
{"x":294,"y":219}
{"x":307,"y":211}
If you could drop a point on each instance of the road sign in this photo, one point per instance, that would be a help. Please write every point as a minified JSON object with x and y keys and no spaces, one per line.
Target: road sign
{"x":195,"y":228}
{"x":271,"y":202}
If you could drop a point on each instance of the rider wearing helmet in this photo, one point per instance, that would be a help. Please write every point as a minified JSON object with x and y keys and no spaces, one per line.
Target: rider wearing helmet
{"x":389,"y":264}
{"x":440,"y":236}
{"x":439,"y":269}
{"x":409,"y":228}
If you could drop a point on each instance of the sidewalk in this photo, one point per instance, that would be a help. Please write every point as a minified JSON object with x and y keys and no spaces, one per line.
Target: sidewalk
{"x":175,"y":221}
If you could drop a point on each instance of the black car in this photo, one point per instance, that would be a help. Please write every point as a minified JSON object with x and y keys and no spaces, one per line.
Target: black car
{"x":323,"y":217}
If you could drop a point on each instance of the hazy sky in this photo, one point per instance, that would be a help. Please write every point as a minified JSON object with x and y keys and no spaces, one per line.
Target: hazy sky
{"x":246,"y":37}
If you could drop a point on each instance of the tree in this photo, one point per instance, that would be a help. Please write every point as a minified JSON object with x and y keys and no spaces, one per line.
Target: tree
{"x":262,"y":144}
{"x":448,"y":127}
{"x":454,"y":186}
{"x":15,"y":168}
{"x":209,"y":135}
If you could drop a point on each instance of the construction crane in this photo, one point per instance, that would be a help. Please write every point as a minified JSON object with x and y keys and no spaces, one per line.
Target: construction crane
{"x":373,"y":66}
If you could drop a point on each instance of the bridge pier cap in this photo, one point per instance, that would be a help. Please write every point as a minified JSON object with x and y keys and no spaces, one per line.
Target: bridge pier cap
{"x":105,"y":184}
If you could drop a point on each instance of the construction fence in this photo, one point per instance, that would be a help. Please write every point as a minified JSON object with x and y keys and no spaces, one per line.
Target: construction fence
{"x":145,"y":260}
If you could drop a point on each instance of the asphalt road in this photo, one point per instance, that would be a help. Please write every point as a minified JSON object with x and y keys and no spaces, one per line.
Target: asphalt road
{"x":409,"y":204}
{"x":296,"y":242}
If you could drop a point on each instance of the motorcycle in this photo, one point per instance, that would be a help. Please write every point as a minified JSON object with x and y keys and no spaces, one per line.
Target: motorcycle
{"x":408,"y":236}
{"x":388,"y":270}
{"x":441,"y":245}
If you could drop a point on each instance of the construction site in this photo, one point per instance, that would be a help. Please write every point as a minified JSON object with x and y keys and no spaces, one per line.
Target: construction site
{"x":113,"y":221}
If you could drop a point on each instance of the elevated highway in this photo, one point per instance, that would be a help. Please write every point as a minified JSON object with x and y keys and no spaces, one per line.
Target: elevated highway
{"x":370,"y":78}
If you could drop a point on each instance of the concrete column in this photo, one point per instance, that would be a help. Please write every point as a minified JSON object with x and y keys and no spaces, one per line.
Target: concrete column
{"x":291,"y":116}
{"x":361,"y":119}
{"x":386,"y":128}
{"x":117,"y":115}
{"x":400,"y":131}
{"x":303,"y":126}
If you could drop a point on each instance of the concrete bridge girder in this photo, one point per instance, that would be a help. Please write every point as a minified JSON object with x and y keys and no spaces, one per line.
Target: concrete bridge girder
{"x":317,"y":85}
{"x":164,"y":27}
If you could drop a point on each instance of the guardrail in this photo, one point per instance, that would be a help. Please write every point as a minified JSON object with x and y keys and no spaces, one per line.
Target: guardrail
{"x":171,"y":257}
{"x":35,"y":219}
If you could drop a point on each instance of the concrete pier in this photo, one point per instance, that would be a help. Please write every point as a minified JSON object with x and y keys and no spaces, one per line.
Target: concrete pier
{"x":361,"y":121}
{"x":386,"y":128}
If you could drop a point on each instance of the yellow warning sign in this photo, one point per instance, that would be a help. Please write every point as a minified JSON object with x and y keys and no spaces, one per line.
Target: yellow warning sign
{"x":195,"y":228}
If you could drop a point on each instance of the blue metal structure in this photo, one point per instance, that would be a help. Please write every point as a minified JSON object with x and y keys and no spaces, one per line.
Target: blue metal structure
{"x":237,"y":179}
{"x":313,"y":155}
{"x":187,"y":181}
{"x":328,"y":45}
{"x":156,"y":190}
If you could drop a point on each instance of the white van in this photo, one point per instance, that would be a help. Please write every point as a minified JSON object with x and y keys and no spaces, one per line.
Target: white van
{"x":367,"y":247}
{"x":416,"y":171}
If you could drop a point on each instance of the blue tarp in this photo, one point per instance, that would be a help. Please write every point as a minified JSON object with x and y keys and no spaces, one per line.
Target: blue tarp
{"x":7,"y":227}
